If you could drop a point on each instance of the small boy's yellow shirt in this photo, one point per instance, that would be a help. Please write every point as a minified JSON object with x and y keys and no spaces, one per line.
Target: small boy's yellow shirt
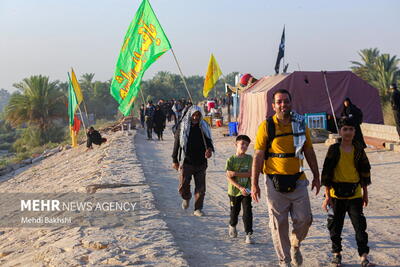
{"x":346,"y":172}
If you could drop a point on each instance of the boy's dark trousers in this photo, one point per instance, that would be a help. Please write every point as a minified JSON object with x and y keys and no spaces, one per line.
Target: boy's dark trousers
{"x":235,"y":204}
{"x":335,"y":223}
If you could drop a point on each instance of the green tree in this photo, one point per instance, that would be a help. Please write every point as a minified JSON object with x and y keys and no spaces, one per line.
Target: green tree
{"x":4,"y":97}
{"x":101,"y":103}
{"x":8,"y":135}
{"x":38,"y":103}
{"x":165,"y":85}
{"x":386,"y":72}
{"x":380,"y":70}
{"x":365,"y":68}
{"x":86,"y":81}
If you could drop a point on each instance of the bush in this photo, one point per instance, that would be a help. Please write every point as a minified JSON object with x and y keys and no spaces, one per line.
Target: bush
{"x":4,"y":163}
{"x":33,"y":137}
{"x":20,"y":156}
{"x":5,"y":146}
{"x":7,"y":137}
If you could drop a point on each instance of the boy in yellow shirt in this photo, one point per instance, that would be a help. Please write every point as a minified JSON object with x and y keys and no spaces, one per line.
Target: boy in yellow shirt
{"x":345,"y":174}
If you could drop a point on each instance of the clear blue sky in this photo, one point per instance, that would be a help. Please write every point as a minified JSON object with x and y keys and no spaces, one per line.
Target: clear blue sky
{"x":49,"y":36}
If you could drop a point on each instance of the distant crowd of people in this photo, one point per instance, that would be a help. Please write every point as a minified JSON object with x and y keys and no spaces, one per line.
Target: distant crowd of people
{"x":154,"y":117}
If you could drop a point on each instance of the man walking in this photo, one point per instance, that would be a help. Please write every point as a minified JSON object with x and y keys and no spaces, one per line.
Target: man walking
{"x":149,"y":114}
{"x":193,"y":146}
{"x":280,"y":143}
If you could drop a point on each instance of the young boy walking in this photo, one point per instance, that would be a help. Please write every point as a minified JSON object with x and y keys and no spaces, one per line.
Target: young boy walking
{"x":238,"y":172}
{"x":346,"y":175}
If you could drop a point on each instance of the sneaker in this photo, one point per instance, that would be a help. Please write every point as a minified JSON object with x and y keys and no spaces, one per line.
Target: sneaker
{"x":185,"y":204}
{"x":297,"y":258}
{"x":365,"y":262}
{"x":249,"y":239}
{"x":336,"y":260}
{"x":198,"y":213}
{"x":232,"y":231}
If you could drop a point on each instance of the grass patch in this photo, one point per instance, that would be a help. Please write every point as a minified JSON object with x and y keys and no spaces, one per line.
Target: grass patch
{"x":30,"y":153}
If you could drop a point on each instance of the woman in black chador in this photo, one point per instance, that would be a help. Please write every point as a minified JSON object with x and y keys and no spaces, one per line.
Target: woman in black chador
{"x":159,"y":122}
{"x":352,"y":111}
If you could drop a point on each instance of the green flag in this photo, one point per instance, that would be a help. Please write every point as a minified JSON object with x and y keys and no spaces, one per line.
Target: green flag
{"x":144,"y":43}
{"x":72,"y":102}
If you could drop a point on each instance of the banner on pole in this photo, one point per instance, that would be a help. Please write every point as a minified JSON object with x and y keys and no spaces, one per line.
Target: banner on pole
{"x":144,"y":43}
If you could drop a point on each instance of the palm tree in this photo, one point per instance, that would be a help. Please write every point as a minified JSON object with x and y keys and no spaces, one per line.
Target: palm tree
{"x":38,"y":103}
{"x":365,"y":68}
{"x":87,"y":81}
{"x":380,"y":70}
{"x":87,"y":87}
{"x":386,"y":73}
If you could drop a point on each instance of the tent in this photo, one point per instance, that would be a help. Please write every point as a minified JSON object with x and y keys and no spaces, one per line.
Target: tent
{"x":309,"y":95}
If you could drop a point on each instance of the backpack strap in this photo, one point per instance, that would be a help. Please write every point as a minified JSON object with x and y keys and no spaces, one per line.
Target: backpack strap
{"x":271,"y":135}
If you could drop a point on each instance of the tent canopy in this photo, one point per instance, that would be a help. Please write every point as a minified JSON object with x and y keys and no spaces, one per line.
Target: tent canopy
{"x":308,"y":96}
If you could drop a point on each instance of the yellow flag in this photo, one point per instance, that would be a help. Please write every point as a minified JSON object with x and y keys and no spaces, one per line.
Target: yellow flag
{"x":213,"y":73}
{"x":76,"y":86}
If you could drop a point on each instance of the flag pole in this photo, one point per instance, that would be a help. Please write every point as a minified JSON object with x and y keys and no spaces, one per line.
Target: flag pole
{"x":183,"y":78}
{"x":83,"y":121}
{"x":84,"y":103}
{"x":84,"y":106}
{"x":229,"y":98}
{"x":283,"y":67}
{"x":84,"y":127}
{"x":330,"y":100}
{"x":141,"y":93}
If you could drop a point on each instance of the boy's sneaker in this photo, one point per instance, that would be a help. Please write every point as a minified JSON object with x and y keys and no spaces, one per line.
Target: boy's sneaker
{"x":198,"y":213}
{"x":185,"y":204}
{"x":297,"y":258}
{"x":365,"y":262}
{"x":232,"y":231}
{"x":249,"y":239}
{"x":336,"y":260}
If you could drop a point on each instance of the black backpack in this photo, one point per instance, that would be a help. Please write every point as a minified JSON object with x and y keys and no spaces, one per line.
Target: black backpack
{"x":271,"y":136}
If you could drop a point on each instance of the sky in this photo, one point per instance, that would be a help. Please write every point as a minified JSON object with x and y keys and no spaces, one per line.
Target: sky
{"x":49,"y":36}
